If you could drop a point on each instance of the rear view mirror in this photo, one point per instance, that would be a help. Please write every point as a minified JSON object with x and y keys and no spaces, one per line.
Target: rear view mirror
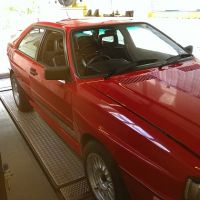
{"x":189,"y":49}
{"x":57,"y":73}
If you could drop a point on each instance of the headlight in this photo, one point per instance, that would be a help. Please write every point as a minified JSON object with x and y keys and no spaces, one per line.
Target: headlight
{"x":192,"y":190}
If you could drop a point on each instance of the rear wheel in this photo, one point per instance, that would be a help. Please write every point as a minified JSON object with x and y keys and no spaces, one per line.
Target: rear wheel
{"x":19,"y":96}
{"x":102,"y":173}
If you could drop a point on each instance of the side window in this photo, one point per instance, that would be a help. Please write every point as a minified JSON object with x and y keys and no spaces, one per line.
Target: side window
{"x":108,"y":39}
{"x":52,"y":53}
{"x":88,"y":32}
{"x":111,"y":37}
{"x":120,"y":38}
{"x":30,"y":43}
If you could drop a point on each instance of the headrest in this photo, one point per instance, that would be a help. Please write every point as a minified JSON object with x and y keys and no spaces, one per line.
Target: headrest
{"x":58,"y":45}
{"x":85,"y":42}
{"x":110,"y":32}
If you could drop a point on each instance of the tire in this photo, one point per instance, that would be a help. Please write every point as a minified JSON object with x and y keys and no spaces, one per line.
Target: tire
{"x":103,"y":174}
{"x":20,"y":98}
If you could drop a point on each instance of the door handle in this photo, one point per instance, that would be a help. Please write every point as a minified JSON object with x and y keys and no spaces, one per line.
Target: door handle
{"x":33,"y":71}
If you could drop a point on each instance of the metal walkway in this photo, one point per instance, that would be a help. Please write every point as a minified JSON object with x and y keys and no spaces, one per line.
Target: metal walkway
{"x":62,"y":165}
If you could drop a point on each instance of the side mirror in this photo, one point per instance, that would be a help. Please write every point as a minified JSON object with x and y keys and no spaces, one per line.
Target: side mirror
{"x":57,"y":73}
{"x":189,"y":49}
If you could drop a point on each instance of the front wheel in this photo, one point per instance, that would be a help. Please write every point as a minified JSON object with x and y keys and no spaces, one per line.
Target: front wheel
{"x":19,"y":95}
{"x":102,"y":173}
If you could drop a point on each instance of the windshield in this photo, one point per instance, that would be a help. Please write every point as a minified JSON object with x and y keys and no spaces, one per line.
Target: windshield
{"x":122,"y":48}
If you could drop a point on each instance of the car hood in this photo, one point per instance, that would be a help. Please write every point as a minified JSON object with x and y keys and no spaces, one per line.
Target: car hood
{"x":168,"y":99}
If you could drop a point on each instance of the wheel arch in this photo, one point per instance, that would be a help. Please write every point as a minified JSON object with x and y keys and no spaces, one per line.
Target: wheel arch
{"x":87,"y":137}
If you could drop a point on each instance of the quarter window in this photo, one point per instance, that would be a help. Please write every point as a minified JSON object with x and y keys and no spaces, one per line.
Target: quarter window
{"x":30,"y":43}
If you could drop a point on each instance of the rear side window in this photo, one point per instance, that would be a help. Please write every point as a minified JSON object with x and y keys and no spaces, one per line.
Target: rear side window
{"x":30,"y":43}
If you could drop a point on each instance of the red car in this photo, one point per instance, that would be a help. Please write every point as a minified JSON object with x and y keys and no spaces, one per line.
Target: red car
{"x":123,"y":95}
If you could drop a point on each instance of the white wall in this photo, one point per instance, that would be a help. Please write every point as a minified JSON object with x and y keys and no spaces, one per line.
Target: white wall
{"x":183,"y":5}
{"x":140,"y":7}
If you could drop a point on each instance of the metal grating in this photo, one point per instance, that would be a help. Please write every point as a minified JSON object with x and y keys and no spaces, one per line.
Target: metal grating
{"x":138,"y":79}
{"x":62,"y":165}
{"x":70,"y":192}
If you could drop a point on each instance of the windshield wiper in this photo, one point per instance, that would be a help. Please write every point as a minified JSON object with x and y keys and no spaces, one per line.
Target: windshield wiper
{"x":133,"y":66}
{"x":123,"y":69}
{"x":174,"y":59}
{"x":146,"y":61}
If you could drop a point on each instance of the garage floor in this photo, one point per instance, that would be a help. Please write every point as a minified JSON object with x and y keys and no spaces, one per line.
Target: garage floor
{"x":5,"y":83}
{"x":28,"y":180}
{"x":60,"y":166}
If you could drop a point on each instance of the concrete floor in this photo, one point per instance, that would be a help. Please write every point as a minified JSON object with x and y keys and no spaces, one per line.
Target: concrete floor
{"x":28,"y":181}
{"x":5,"y":84}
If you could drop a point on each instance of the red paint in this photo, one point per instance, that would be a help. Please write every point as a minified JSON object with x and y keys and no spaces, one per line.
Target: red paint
{"x":149,"y":120}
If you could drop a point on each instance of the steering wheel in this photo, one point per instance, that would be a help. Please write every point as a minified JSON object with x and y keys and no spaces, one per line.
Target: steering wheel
{"x":97,"y":57}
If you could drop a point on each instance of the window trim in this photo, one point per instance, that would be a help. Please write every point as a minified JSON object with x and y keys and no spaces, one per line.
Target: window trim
{"x":63,"y":32}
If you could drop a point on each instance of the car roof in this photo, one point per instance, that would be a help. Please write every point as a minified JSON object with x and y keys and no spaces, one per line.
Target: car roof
{"x":86,"y":22}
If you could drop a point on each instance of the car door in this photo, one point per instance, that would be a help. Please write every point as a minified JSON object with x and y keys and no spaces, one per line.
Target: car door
{"x":53,"y":96}
{"x":24,"y":56}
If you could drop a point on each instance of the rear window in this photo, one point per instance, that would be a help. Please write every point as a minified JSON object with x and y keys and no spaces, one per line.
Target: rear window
{"x":30,"y":43}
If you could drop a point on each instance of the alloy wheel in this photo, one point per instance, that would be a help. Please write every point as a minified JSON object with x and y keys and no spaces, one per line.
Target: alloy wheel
{"x":99,"y":177}
{"x":15,"y":90}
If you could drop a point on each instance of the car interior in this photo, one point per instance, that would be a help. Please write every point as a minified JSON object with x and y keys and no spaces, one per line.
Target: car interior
{"x":97,"y":53}
{"x":52,"y":53}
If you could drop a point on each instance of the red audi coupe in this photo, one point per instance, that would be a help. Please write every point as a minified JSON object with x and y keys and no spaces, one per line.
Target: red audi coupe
{"x":123,"y":95}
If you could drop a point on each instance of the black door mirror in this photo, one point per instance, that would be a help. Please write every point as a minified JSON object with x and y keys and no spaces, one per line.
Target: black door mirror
{"x":189,"y":49}
{"x":57,"y":73}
